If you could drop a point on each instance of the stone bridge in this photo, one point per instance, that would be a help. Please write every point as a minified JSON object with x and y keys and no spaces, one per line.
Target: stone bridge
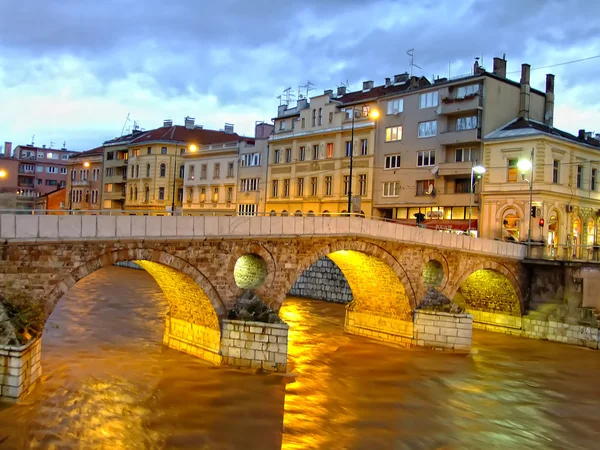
{"x":204,"y":264}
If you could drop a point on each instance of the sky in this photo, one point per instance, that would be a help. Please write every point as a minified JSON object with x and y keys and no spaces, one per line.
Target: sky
{"x":74,"y":70}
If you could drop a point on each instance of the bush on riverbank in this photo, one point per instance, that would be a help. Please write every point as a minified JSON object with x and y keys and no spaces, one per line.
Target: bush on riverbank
{"x":21,"y":317}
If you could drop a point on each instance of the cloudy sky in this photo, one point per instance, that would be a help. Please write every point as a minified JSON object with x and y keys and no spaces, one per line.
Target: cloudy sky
{"x":72,"y":70}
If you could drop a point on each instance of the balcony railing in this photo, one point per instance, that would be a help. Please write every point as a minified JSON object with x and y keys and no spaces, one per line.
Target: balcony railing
{"x":80,"y":183}
{"x":574,"y":253}
{"x":451,"y":105}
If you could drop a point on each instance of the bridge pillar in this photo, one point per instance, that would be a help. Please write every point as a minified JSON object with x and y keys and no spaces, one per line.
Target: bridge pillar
{"x":20,"y":368}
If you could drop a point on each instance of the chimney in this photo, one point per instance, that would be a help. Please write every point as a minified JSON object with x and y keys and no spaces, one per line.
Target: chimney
{"x":328,"y":92}
{"x":414,"y":82}
{"x":525,"y":89}
{"x":189,"y":122}
{"x":302,"y":103}
{"x":401,"y":78}
{"x":341,"y":90}
{"x":581,"y":134}
{"x":281,"y":109}
{"x":499,"y":67}
{"x":167,"y":123}
{"x":367,"y":85}
{"x":8,"y":149}
{"x":229,"y":128}
{"x":388,"y":82}
{"x":549,"y":102}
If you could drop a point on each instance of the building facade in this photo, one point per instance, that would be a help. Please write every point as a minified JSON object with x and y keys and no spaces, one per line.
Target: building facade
{"x":565,"y":190}
{"x":84,"y":184}
{"x":52,"y":203}
{"x":114,"y":173}
{"x":9,"y":172}
{"x":430,"y":136}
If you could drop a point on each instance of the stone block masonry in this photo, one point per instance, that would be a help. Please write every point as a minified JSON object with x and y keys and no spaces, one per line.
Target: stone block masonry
{"x":193,"y":339}
{"x":393,"y":331}
{"x":20,"y":368}
{"x":581,"y":335}
{"x":255,"y":345}
{"x":323,"y":281}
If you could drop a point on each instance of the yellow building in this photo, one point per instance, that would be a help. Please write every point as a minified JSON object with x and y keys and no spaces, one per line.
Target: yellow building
{"x":310,"y":149}
{"x":565,"y":193}
{"x":115,"y":171}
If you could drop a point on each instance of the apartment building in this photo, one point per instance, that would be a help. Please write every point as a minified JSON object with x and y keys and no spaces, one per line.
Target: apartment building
{"x":84,"y":184}
{"x":312,"y":148}
{"x":9,"y":170}
{"x":114,"y":174}
{"x":565,"y":191}
{"x":429,"y":139}
{"x":156,"y":165}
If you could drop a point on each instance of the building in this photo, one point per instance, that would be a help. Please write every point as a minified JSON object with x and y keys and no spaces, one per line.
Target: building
{"x":156,"y":165}
{"x":565,"y":190}
{"x":51,"y":203}
{"x":430,"y":137}
{"x":114,"y":175}
{"x":9,"y":172}
{"x":311,"y":148}
{"x":252,"y":171}
{"x":84,"y":184}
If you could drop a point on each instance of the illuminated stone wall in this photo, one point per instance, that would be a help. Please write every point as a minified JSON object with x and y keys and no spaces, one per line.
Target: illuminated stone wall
{"x":196,"y":340}
{"x":441,"y":330}
{"x":255,"y":345}
{"x":392,"y":331}
{"x":20,"y":368}
{"x":496,"y":322}
{"x":488,"y":290}
{"x":323,"y":281}
{"x":580,"y":335}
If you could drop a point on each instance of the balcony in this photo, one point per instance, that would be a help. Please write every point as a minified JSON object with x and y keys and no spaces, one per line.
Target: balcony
{"x":455,"y":168}
{"x":80,"y":183}
{"x":459,"y":137}
{"x":27,"y":172}
{"x":116,"y":179}
{"x":451,"y":105}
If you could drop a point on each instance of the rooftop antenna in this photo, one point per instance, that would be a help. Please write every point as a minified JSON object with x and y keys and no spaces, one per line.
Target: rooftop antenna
{"x":32,"y":138}
{"x":411,"y":53}
{"x":280,"y":98}
{"x":288,"y":96}
{"x":51,"y":144}
{"x":65,"y":145}
{"x":125,"y":124}
{"x":309,"y":86}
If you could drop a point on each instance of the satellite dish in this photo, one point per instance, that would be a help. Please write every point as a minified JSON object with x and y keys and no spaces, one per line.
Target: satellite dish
{"x":435,"y":169}
{"x":430,"y":189}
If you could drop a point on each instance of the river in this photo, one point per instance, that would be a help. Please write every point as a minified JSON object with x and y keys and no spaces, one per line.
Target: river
{"x":109,"y":383}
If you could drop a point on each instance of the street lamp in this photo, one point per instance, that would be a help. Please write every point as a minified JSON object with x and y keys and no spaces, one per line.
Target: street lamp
{"x":525,"y":165}
{"x":373,"y":114}
{"x":479,"y":170}
{"x":191,"y":148}
{"x":2,"y":173}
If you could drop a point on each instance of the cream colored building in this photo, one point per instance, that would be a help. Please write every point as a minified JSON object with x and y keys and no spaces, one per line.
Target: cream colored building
{"x":309,"y":154}
{"x":114,"y":173}
{"x":566,"y":173}
{"x":430,"y":136}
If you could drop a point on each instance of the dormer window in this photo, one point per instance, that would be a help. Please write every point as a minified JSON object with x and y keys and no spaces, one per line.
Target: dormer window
{"x":282,"y":125}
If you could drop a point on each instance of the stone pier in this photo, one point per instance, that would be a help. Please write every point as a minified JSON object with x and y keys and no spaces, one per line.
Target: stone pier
{"x":20,"y":368}
{"x":193,"y":339}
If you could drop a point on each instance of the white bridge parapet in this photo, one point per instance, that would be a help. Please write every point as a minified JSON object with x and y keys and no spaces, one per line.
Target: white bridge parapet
{"x":45,"y":228}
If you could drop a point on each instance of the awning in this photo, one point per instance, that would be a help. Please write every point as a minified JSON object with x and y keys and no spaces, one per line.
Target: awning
{"x":441,"y":224}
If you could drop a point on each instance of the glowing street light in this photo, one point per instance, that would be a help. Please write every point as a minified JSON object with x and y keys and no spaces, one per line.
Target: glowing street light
{"x":86,"y":164}
{"x":192,"y":148}
{"x":525,"y":165}
{"x":2,"y":173}
{"x":479,"y":170}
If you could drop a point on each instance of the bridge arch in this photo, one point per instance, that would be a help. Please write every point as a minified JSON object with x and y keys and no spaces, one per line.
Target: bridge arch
{"x":379,"y":284}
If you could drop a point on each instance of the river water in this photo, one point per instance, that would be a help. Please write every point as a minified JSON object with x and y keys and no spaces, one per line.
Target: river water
{"x":109,"y":383}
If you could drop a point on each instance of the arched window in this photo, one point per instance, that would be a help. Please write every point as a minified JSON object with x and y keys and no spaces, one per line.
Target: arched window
{"x":163,"y":170}
{"x":181,"y":171}
{"x":130,"y":193}
{"x":132,"y":173}
{"x":510,"y":227}
{"x":147,"y":194}
{"x":284,"y":213}
{"x":326,"y":213}
{"x":310,"y":214}
{"x":148,"y":170}
{"x":590,"y":232}
{"x":298,"y":213}
{"x":137,"y":170}
{"x":273,"y":213}
{"x":135,"y":193}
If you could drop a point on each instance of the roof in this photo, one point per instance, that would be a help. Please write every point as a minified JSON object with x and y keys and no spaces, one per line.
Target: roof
{"x":380,"y":91}
{"x":93,"y":152}
{"x":51,"y":193}
{"x":526,"y":127}
{"x":123,"y":139}
{"x":178,"y":133}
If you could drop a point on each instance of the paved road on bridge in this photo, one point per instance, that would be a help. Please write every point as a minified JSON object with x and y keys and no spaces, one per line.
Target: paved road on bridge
{"x":109,"y":383}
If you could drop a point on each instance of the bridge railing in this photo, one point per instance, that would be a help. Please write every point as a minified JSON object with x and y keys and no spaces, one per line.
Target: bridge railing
{"x":574,"y":253}
{"x":41,"y":228}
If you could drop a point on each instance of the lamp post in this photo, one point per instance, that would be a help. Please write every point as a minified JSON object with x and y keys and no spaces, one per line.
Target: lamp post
{"x":525,"y":165}
{"x":479,"y":170}
{"x":373,"y":114}
{"x":191,"y":148}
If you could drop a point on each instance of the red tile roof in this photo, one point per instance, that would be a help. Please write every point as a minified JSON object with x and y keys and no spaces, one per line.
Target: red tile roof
{"x":198,"y":136}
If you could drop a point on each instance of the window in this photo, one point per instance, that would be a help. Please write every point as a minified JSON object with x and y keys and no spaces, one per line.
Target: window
{"x":181,"y":151}
{"x":276,"y":156}
{"x":181,"y":171}
{"x":190,"y":195}
{"x":315,"y":152}
{"x":40,"y":155}
{"x":346,"y":184}
{"x":512,"y":170}
{"x":95,"y":174}
{"x":247,"y":210}
{"x":302,"y":155}
{"x":364,"y":147}
{"x":202,"y":194}
{"x":424,"y":187}
{"x":250,"y":159}
{"x":39,"y":169}
{"x":135,"y":192}
{"x":215,"y":197}
{"x":135,"y":152}
{"x":203,"y":171}
{"x":330,"y":117}
{"x":161,"y":193}
{"x":314,"y":117}
{"x":73,"y":174}
{"x":137,"y":170}
{"x":63,"y":170}
{"x":64,"y":157}
{"x":395,"y":106}
{"x":314,"y":186}
{"x":330,"y":150}
{"x":286,"y":187}
{"x":365,"y":111}
{"x":230,"y":170}
{"x":300,"y":187}
{"x":180,"y":195}
{"x":192,"y":172}
{"x":303,"y":122}
{"x":249,"y":184}
{"x":148,"y":170}
{"x":465,"y":154}
{"x":288,"y":155}
{"x":392,"y":161}
{"x":579,"y":176}
{"x":362,"y":185}
{"x":593,"y":180}
{"x":328,"y":185}
{"x":163,"y":151}
{"x":465,"y":91}
{"x":163,"y":170}
{"x":348,"y":148}
{"x":217,"y":170}
{"x":228,"y":194}
{"x":320,"y":116}
{"x":428,"y":129}
{"x":109,"y":171}
{"x":555,"y":171}
{"x":149,"y":151}
{"x":147,"y":194}
{"x":282,"y":125}
{"x":275,"y":188}
{"x":51,"y":183}
{"x":393,"y":134}
{"x":466,"y":123}
{"x":50,"y":155}
{"x":461,"y":186}
{"x":426,"y":158}
{"x":391,"y":189}
{"x":108,"y":187}
{"x":130,"y":193}
{"x":51,"y":170}
{"x":132,"y":172}
{"x":87,"y":196}
{"x":428,"y":100}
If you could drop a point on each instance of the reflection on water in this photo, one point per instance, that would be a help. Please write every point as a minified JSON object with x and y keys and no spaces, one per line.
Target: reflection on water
{"x":109,"y":383}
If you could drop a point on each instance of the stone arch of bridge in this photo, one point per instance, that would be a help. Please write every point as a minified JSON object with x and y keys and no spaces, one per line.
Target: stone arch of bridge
{"x":191,"y":296}
{"x":379,"y":283}
{"x":434,"y":256}
{"x":496,"y":280}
